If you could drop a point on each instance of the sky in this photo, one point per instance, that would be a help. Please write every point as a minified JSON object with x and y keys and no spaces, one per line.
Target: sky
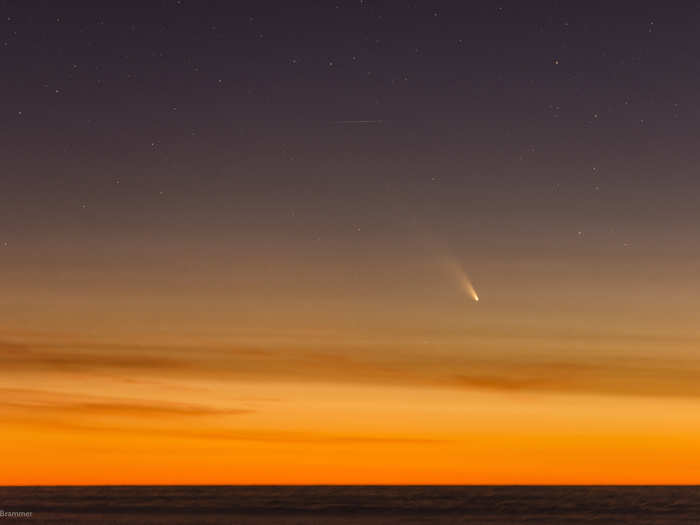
{"x":352,"y":242}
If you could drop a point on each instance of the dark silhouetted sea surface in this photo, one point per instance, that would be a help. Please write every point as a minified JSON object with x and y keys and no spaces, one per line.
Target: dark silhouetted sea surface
{"x":335,"y":505}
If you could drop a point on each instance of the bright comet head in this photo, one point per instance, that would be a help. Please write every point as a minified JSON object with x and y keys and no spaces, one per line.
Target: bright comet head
{"x":464,"y":283}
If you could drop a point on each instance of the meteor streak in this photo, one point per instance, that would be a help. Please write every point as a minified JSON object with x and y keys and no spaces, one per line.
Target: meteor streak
{"x":359,"y":122}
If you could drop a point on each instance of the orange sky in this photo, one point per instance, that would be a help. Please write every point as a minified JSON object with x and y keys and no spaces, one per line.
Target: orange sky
{"x":127,"y":383}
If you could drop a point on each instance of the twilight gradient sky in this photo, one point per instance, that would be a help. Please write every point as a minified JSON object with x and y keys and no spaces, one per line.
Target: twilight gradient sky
{"x":233,"y":237}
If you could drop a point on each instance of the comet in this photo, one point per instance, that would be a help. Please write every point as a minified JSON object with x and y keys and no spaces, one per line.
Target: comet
{"x":467,"y":286}
{"x":463,"y":280}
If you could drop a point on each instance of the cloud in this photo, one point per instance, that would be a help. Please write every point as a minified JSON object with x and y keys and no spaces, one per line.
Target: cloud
{"x":25,"y":358}
{"x":503,"y":383}
{"x":55,"y":411}
{"x":222,"y":434}
{"x":38,"y":403}
{"x":532,"y":369}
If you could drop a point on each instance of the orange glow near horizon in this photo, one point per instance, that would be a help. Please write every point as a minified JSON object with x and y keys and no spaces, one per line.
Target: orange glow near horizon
{"x":92,"y":412}
{"x":342,"y":372}
{"x":384,"y":436}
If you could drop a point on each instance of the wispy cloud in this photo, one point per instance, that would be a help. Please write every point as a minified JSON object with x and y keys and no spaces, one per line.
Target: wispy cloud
{"x":39,"y":403}
{"x":528,"y":370}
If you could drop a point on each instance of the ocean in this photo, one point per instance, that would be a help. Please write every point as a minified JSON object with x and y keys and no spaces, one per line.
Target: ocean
{"x":335,"y":505}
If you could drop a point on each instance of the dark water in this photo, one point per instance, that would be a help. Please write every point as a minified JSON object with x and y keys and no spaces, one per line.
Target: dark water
{"x":364,"y":505}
